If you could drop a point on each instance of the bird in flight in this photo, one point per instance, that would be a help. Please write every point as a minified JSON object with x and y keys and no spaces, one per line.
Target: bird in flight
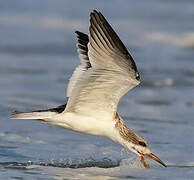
{"x":106,"y":73}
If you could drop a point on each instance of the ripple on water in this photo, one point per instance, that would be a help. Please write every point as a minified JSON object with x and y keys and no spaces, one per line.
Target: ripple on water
{"x":65,"y":163}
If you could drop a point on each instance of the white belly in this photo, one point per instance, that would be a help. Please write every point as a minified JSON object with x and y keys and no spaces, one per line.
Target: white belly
{"x":84,"y":124}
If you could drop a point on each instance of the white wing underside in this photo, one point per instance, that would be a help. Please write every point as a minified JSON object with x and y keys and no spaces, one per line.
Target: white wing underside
{"x":77,"y":74}
{"x":82,"y":49}
{"x":95,"y":90}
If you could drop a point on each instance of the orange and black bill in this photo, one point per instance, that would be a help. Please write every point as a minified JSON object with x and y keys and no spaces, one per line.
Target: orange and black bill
{"x":152,"y":156}
{"x":144,"y":161}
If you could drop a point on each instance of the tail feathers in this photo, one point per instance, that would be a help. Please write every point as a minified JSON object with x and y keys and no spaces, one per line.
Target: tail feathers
{"x":33,"y":115}
{"x":39,"y":114}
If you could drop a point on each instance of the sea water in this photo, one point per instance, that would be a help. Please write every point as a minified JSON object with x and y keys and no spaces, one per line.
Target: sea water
{"x":37,"y":58}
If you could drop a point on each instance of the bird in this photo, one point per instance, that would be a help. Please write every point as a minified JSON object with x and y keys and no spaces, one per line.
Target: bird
{"x":106,"y":73}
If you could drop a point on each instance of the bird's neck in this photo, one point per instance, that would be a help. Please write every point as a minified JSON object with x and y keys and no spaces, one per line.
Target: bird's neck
{"x":126,"y":136}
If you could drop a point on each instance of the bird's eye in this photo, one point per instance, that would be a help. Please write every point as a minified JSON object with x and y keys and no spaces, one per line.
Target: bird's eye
{"x":141,"y":143}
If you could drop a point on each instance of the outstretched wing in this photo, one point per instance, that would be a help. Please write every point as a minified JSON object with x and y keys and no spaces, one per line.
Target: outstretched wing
{"x":82,"y":49}
{"x":113,"y":72}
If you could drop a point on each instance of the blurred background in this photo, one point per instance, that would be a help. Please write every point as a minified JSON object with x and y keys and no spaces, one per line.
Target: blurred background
{"x":37,"y":58}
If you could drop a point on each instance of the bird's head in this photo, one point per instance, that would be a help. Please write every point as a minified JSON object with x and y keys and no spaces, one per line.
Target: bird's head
{"x":134,"y":142}
{"x":140,"y":146}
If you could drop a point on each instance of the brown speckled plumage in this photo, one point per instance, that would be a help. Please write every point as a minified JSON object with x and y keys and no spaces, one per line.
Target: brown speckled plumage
{"x":125,"y":132}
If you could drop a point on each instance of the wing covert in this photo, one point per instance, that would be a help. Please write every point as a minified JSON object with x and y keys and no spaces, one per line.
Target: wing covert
{"x":112,"y":74}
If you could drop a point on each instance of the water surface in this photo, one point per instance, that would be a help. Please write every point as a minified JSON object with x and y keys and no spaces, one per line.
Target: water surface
{"x":37,"y":57}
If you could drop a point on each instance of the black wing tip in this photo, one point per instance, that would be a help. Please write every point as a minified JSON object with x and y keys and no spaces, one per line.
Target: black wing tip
{"x":95,"y":13}
{"x":81,"y":35}
{"x":78,"y":33}
{"x":16,"y":112}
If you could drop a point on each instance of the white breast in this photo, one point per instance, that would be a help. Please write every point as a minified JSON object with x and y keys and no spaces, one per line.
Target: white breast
{"x":85,"y":124}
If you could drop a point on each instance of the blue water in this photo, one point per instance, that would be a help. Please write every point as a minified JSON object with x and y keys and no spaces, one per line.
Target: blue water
{"x":37,"y":57}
